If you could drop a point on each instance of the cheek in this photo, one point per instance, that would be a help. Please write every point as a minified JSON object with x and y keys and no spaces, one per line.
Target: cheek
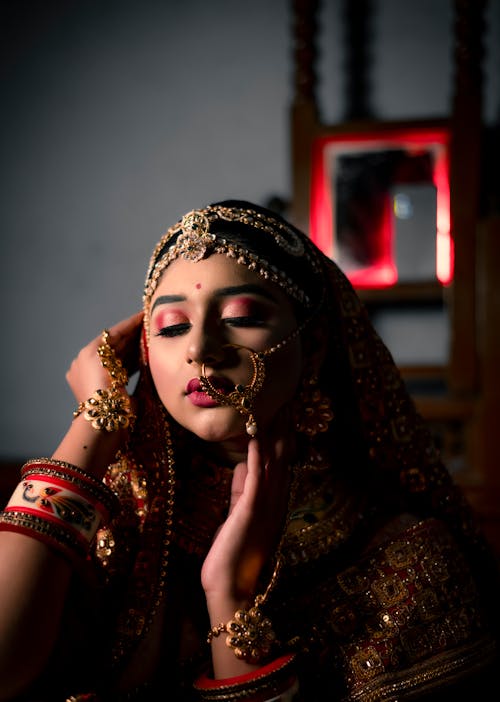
{"x":161,"y":370}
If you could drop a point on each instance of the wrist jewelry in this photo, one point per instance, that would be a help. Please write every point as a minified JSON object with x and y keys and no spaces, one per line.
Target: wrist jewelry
{"x":250,"y":634}
{"x":274,"y":681}
{"x":109,"y":409}
{"x":98,"y":492}
{"x":58,"y":504}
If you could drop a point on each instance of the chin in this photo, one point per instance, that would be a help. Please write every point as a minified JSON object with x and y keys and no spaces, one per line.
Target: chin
{"x":219,"y":435}
{"x":213,"y":426}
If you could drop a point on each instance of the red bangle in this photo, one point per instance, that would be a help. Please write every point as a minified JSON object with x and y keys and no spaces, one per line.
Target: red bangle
{"x":96,"y":489}
{"x":269,"y":681}
{"x":60,"y":505}
{"x":58,"y":502}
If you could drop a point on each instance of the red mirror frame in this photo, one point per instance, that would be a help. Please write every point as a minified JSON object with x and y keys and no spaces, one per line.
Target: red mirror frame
{"x":411,"y":139}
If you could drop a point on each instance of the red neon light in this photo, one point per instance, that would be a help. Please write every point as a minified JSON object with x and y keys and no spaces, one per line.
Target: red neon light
{"x":384,"y":272}
{"x":444,"y":242}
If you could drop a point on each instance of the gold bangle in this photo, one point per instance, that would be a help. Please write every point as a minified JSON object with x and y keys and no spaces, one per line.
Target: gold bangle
{"x":250,"y":634}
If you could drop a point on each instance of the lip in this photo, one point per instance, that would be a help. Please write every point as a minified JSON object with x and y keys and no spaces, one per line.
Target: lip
{"x":199,"y":397}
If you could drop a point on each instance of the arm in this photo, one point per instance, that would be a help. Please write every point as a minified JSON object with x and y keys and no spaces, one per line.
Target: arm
{"x":34,"y":577}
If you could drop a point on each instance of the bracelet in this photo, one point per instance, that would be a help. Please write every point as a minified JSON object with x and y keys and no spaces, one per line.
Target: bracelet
{"x":250,"y":634}
{"x":56,"y":537}
{"x":58,"y":501}
{"x":109,"y":409}
{"x":81,"y":479}
{"x":274,"y":681}
{"x":60,"y":505}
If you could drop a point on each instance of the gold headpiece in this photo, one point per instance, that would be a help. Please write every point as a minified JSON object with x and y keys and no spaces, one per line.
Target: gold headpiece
{"x":195,"y":241}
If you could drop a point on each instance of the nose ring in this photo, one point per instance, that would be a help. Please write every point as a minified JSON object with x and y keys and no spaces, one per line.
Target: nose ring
{"x":243,"y":396}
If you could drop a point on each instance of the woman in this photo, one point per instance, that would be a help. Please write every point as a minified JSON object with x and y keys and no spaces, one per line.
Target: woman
{"x":263,"y":519}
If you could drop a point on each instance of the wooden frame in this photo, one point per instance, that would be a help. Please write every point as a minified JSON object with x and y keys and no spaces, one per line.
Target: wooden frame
{"x":469,"y":412}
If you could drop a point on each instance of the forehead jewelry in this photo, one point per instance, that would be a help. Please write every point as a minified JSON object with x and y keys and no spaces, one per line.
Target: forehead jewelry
{"x":243,"y":396}
{"x":195,"y":239}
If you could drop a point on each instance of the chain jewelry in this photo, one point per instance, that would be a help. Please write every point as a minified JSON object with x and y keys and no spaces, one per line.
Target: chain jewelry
{"x":243,"y":396}
{"x":110,"y":361}
{"x":109,"y":409}
{"x":192,"y":239}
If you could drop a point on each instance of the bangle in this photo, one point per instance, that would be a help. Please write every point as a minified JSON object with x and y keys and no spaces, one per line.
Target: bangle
{"x":60,"y":505}
{"x":56,"y":537}
{"x":250,"y":634}
{"x":81,"y":479}
{"x":109,"y":409}
{"x":274,"y":681}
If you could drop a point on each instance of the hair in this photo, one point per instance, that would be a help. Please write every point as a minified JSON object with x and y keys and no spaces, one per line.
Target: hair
{"x":255,"y":237}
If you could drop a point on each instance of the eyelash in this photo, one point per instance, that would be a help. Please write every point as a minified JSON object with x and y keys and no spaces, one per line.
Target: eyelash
{"x":248,"y":321}
{"x":179,"y":329}
{"x":173,"y":330}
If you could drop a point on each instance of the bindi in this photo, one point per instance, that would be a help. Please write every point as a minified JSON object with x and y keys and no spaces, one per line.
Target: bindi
{"x":198,"y":286}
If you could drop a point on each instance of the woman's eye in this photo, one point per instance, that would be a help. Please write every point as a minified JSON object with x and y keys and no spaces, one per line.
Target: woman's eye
{"x":174,"y":329}
{"x":247,"y":321}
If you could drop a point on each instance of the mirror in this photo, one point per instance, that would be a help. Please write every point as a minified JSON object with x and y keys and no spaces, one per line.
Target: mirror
{"x":380,"y":205}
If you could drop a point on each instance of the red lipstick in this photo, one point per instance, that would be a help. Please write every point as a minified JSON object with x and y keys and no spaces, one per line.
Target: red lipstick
{"x":199,"y":397}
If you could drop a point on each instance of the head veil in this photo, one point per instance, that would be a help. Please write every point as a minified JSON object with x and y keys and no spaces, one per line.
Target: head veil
{"x":377,"y":440}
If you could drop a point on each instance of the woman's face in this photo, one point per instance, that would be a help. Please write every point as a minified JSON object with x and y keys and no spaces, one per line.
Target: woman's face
{"x":197,"y":309}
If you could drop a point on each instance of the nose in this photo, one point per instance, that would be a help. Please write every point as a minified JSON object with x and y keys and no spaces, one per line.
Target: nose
{"x":205,"y":346}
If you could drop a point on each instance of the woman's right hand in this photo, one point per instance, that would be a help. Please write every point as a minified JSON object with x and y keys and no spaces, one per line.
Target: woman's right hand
{"x":83,"y":445}
{"x":87,"y":374}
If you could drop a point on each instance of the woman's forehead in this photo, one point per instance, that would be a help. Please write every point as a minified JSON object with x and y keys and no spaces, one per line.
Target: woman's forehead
{"x":211,"y":274}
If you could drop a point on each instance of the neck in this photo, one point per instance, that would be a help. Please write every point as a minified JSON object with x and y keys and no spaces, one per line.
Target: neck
{"x":230,"y":452}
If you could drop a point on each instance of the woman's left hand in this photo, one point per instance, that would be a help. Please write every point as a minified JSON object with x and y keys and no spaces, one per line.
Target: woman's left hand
{"x":249,"y":535}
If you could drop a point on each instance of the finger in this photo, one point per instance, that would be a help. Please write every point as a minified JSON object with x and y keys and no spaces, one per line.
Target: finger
{"x":124,"y":338}
{"x":238,"y":484}
{"x":256,"y":458}
{"x":121,"y":333}
{"x":246,"y":478}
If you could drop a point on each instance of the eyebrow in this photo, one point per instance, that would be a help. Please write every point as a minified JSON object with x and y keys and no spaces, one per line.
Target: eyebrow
{"x":165,"y":299}
{"x":231,"y":290}
{"x":247,"y":288}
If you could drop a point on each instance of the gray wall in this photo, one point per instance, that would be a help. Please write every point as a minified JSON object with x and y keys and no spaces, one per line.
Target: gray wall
{"x":120,"y":116}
